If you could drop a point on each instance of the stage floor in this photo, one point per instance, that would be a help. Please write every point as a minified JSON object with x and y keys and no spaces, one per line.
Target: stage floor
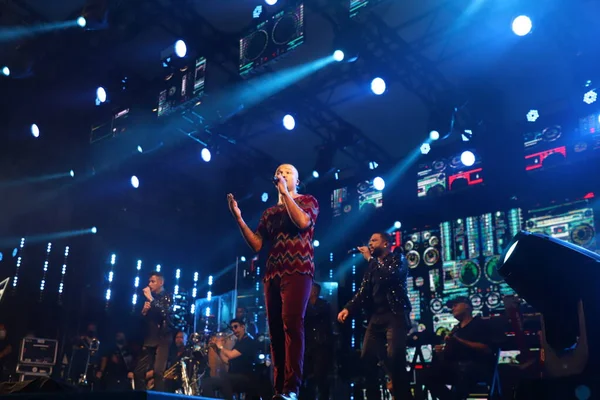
{"x":101,"y":396}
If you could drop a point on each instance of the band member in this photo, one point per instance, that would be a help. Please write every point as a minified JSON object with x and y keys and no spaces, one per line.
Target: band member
{"x":157,"y":313}
{"x":383,"y":296}
{"x":116,"y":366}
{"x":242,"y":313}
{"x":467,"y":355}
{"x":241,"y":376}
{"x":318,"y":357}
{"x":289,"y":227}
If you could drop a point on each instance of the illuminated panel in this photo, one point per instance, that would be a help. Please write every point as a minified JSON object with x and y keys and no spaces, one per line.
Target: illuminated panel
{"x":536,"y":160}
{"x":435,"y":281}
{"x":590,"y":125}
{"x":182,"y":88}
{"x":177,"y":277}
{"x":572,"y":222}
{"x":45,"y":271}
{"x":358,"y":6}
{"x":63,"y":272}
{"x":446,"y":235}
{"x":111,"y":275}
{"x":487,"y":234}
{"x":461,"y":176}
{"x":339,"y":202}
{"x":136,"y":284}
{"x":194,"y":293}
{"x":415,"y":300}
{"x":18,"y":265}
{"x":506,"y":226}
{"x":368,"y":196}
{"x":473,"y":239}
{"x":443,"y":323}
{"x":431,"y":181}
{"x":460,"y":240}
{"x":278,"y":35}
{"x":452,"y":284}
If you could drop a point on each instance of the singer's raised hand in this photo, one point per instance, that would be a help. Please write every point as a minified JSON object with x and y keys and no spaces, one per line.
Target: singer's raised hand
{"x":281,"y":184}
{"x":365,"y":251}
{"x":148,"y":293}
{"x":146,"y":308}
{"x":233,"y":207}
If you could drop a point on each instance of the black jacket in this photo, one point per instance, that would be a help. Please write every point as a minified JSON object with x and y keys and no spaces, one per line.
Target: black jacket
{"x":392,"y":274}
{"x":159,"y":318}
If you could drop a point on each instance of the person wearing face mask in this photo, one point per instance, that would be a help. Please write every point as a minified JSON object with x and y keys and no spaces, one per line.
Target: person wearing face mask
{"x":116,"y":366}
{"x":6,"y":350}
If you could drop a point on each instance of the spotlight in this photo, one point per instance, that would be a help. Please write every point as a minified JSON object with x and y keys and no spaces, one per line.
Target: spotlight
{"x":467,"y":158}
{"x":379,"y":183}
{"x":425,"y":148}
{"x":180,"y":48}
{"x":397,"y":225}
{"x":94,"y":230}
{"x":243,"y":259}
{"x":373,"y":165}
{"x":522,"y":25}
{"x":289,"y":122}
{"x":100,"y":95}
{"x":378,"y":86}
{"x":35,"y":131}
{"x":434,"y":135}
{"x":139,"y":149}
{"x":15,"y":252}
{"x":466,"y":135}
{"x":205,"y":154}
{"x":5,"y":71}
{"x":271,"y":2}
{"x":338,"y":55}
{"x":264,"y":197}
{"x":72,"y":173}
{"x":315,"y":174}
{"x":533,"y":115}
{"x":135,"y":182}
{"x":590,"y":97}
{"x":82,"y":22}
{"x":1,"y":256}
{"x":316,"y":243}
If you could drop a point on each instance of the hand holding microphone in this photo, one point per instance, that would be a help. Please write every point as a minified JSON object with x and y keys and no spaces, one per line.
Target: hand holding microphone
{"x":364,"y":250}
{"x":148,"y":293}
{"x":281,"y":183}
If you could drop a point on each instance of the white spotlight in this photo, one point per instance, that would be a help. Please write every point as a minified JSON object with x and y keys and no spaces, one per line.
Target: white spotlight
{"x":135,"y":182}
{"x":139,"y":149}
{"x":289,"y":122}
{"x":94,"y":230}
{"x":397,"y":225}
{"x":522,"y":25}
{"x":434,"y":135}
{"x":315,"y":174}
{"x":378,"y":86}
{"x":467,"y":158}
{"x":264,"y":197}
{"x":271,"y":2}
{"x":316,"y":243}
{"x":338,"y":55}
{"x":590,"y":97}
{"x":5,"y":71}
{"x":35,"y":131}
{"x":425,"y":148}
{"x":533,"y":115}
{"x":100,"y":95}
{"x":379,"y":183}
{"x":81,"y":21}
{"x":72,"y":173}
{"x":205,"y":154}
{"x":180,"y":48}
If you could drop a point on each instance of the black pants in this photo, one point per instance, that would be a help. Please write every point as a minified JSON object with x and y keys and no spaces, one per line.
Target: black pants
{"x":386,"y":329}
{"x":229,"y":384}
{"x":153,"y":358}
{"x":318,"y":363}
{"x":461,"y":375}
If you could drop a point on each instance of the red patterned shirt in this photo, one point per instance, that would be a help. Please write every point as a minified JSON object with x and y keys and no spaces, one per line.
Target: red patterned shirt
{"x":291,"y":248}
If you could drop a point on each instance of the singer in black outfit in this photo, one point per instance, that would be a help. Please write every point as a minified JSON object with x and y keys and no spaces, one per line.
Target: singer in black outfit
{"x":159,"y":330}
{"x":382,"y":295}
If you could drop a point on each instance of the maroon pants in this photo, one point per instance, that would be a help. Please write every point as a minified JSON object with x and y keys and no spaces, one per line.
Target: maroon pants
{"x":286,"y":298}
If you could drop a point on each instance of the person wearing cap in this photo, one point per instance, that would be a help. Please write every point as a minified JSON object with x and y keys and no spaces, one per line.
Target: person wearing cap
{"x":467,"y":356}
{"x":383,"y":296}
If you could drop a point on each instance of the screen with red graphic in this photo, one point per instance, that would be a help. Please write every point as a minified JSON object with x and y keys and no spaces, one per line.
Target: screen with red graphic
{"x":340,"y":202}
{"x":461,"y":170}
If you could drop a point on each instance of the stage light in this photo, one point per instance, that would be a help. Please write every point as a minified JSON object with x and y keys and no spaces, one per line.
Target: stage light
{"x":1,"y":256}
{"x":271,"y":2}
{"x":100,"y":95}
{"x":82,"y":22}
{"x":533,"y":115}
{"x":373,"y":165}
{"x":15,"y":252}
{"x":338,"y":55}
{"x":467,"y":135}
{"x":522,"y":25}
{"x":467,"y":158}
{"x":135,"y":182}
{"x":397,"y":225}
{"x":316,"y":243}
{"x":378,"y":86}
{"x":5,"y":71}
{"x":94,"y":230}
{"x":590,"y":97}
{"x":158,"y":268}
{"x":72,"y":173}
{"x":379,"y":183}
{"x":205,"y":154}
{"x":337,"y":175}
{"x":139,"y":149}
{"x":264,"y":197}
{"x":315,"y":174}
{"x":243,"y":259}
{"x":180,"y":48}
{"x":289,"y":122}
{"x":434,"y":135}
{"x":425,"y":148}
{"x":35,"y":130}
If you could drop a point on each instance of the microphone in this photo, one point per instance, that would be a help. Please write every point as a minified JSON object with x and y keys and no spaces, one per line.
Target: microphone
{"x":354,"y":251}
{"x":275,"y":180}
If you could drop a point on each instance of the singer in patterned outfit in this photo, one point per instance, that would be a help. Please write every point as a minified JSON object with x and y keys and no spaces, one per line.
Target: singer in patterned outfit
{"x":289,"y":227}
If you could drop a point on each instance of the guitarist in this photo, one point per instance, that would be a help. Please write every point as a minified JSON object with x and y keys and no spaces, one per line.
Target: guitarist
{"x":467,"y":355}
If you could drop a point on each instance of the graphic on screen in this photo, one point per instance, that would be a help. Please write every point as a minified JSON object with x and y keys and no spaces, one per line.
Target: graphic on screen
{"x":435,"y":281}
{"x":453,"y":286}
{"x":571,"y":222}
{"x":473,"y":239}
{"x":280,"y":34}
{"x":415,"y":300}
{"x":449,"y":174}
{"x":339,"y":202}
{"x":443,"y":323}
{"x":461,"y":176}
{"x":470,"y":272}
{"x":430,"y":181}
{"x":368,"y":196}
{"x":358,"y":6}
{"x":460,"y":240}
{"x":182,"y":87}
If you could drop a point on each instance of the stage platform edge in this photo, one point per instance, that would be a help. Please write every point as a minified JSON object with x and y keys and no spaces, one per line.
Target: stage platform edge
{"x":68,"y":395}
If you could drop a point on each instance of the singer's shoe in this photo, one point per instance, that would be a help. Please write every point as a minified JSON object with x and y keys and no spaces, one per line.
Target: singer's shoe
{"x":288,"y":396}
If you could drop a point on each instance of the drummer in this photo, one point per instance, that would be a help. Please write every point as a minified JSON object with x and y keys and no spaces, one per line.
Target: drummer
{"x":241,"y":377}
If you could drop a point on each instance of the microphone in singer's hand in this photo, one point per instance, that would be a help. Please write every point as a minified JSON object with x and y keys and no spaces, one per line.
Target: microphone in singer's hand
{"x":354,"y":251}
{"x":275,"y":180}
